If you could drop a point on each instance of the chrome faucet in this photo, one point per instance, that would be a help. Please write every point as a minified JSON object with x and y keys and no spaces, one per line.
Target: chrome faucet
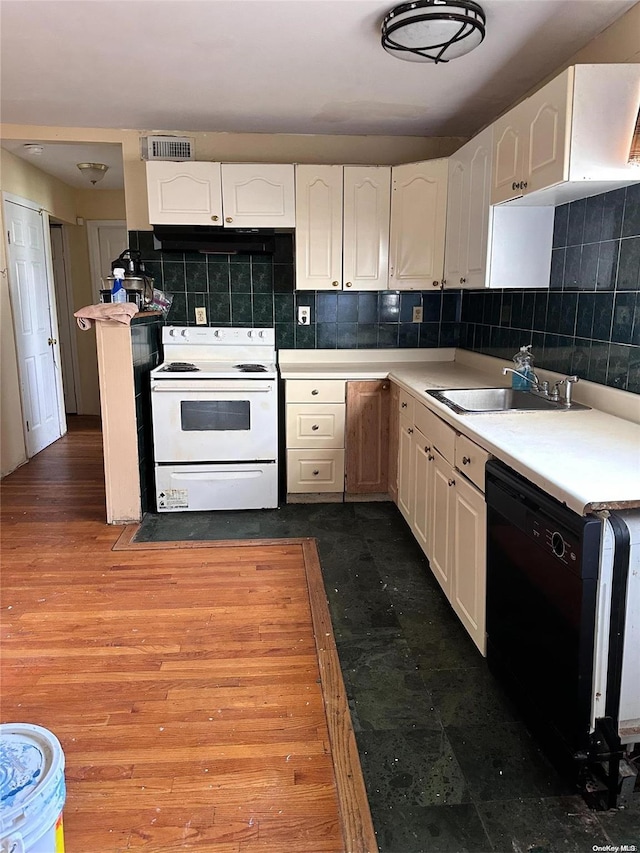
{"x":534,"y":382}
{"x":542,"y":388}
{"x":568,"y":383}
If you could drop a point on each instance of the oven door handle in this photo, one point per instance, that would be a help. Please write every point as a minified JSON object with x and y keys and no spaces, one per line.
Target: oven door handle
{"x":221,"y":389}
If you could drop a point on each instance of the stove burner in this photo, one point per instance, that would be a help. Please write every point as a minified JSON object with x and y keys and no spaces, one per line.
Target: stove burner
{"x":180,"y":367}
{"x":251,"y":368}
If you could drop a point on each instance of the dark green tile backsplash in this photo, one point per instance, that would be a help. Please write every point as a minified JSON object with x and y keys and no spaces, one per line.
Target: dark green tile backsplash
{"x":253,"y":290}
{"x":587,"y":322}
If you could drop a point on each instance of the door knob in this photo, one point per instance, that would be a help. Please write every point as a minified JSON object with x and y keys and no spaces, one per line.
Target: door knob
{"x":349,"y":284}
{"x":215,"y":218}
{"x":335,"y":283}
{"x":229,"y":219}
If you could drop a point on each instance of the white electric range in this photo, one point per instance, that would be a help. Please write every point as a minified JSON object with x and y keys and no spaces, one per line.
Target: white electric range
{"x":214,"y":403}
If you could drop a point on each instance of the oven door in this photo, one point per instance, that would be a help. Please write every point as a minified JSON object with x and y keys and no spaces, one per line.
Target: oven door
{"x":210,"y":420}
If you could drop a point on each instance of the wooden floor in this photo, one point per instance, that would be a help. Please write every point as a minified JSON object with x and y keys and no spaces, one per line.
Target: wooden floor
{"x":194,"y":707}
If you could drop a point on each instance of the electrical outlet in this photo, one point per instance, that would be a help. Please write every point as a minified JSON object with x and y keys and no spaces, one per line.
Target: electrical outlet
{"x":304,"y":315}
{"x":201,"y":316}
{"x":417,"y":314}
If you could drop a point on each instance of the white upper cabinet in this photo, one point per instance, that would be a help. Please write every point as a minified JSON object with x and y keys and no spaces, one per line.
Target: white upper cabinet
{"x":258,"y":195}
{"x":501,"y":246}
{"x":184,"y":193}
{"x":236,"y":195}
{"x":365,"y":238}
{"x":342,"y":227}
{"x":418,"y":215}
{"x":568,"y":140}
{"x":468,"y":213}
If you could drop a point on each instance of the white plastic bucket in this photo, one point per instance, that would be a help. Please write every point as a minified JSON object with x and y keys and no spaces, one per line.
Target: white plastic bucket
{"x":32,"y":790}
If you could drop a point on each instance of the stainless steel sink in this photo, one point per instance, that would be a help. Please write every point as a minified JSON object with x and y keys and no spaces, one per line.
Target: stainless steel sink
{"x":475,"y":400}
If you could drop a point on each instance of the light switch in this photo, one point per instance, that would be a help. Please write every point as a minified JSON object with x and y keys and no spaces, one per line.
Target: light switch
{"x":201,"y":316}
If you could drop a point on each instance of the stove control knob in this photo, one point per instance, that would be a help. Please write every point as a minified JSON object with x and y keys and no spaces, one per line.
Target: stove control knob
{"x":185,"y":333}
{"x":250,"y":333}
{"x":261,"y":334}
{"x":219,"y":333}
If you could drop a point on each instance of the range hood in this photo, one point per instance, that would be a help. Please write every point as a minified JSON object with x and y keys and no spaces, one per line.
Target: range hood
{"x":210,"y":239}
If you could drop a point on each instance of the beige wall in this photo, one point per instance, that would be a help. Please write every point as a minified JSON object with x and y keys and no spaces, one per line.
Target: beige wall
{"x":63,"y":203}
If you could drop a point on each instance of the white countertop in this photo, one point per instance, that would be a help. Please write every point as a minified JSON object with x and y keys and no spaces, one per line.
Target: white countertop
{"x":588,"y":460}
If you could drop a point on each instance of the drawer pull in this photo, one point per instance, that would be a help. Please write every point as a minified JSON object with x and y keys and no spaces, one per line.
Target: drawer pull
{"x":451,"y":482}
{"x":315,"y":427}
{"x":315,"y":392}
{"x":403,"y":405}
{"x":316,"y":472}
{"x":466,"y":460}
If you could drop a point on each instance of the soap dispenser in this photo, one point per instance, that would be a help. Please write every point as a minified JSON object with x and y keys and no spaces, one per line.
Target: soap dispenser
{"x":522,"y":378}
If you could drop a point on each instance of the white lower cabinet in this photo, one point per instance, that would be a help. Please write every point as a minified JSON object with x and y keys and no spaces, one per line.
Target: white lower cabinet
{"x":445,"y":510}
{"x":315,"y":429}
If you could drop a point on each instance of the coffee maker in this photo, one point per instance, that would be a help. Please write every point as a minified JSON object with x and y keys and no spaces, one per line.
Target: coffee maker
{"x":137,"y":283}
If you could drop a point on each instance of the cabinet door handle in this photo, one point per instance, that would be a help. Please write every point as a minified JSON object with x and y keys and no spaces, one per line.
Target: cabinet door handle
{"x":384,"y":387}
{"x":451,"y":482}
{"x":430,"y":457}
{"x":335,"y":283}
{"x":463,"y":281}
{"x":515,"y":186}
{"x":315,"y":473}
{"x":315,"y":392}
{"x":427,"y":450}
{"x":215,"y":218}
{"x":349,"y":284}
{"x":410,"y":430}
{"x":436,"y":283}
{"x":403,"y":405}
{"x":466,"y":460}
{"x":524,"y":185}
{"x":315,"y":427}
{"x":52,"y":341}
{"x":229,"y":219}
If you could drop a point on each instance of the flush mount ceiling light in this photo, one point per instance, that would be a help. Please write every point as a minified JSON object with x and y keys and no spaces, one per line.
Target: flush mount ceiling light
{"x":94,"y":172}
{"x":433,"y":30}
{"x":33,"y":148}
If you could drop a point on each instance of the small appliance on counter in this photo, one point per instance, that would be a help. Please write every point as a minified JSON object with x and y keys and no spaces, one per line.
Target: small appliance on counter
{"x":138,"y":285}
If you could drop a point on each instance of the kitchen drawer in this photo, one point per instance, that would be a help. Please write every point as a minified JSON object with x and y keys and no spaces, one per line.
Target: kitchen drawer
{"x":315,"y":390}
{"x":315,"y":426}
{"x":436,"y":430}
{"x":406,"y":405}
{"x":315,"y":471}
{"x":471,"y":459}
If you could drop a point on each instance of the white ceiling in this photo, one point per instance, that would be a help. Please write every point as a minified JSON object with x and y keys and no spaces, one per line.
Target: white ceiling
{"x":271,"y":66}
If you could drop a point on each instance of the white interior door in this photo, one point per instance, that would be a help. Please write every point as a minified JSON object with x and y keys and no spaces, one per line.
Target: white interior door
{"x":66,"y":326}
{"x":107,"y":239}
{"x":29,"y":287}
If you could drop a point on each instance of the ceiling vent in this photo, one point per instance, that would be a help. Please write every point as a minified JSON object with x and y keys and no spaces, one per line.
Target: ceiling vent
{"x":168,"y":148}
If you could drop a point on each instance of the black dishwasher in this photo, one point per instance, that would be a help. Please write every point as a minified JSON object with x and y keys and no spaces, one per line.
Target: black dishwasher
{"x":542,"y":580}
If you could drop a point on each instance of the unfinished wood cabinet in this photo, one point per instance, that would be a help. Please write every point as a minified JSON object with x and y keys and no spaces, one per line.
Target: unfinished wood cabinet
{"x":367,"y":437}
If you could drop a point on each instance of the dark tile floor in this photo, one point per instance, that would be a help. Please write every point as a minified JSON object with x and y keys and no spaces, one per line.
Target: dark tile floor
{"x":448,"y":763}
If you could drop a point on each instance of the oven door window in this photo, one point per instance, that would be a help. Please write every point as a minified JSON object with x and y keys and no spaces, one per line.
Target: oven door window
{"x":215,"y":415}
